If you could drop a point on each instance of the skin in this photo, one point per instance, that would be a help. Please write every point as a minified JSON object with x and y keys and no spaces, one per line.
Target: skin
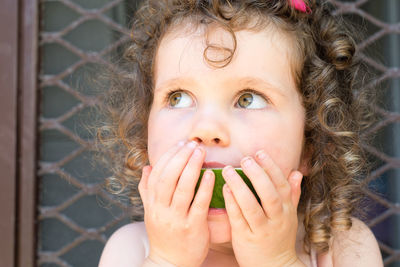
{"x":209,"y":114}
{"x":210,"y":122}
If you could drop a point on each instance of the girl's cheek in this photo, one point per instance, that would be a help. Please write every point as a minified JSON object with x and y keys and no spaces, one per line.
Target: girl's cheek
{"x":165,"y":129}
{"x":277,"y":145}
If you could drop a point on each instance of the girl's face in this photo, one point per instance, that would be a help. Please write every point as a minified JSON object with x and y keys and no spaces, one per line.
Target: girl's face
{"x":234,"y":111}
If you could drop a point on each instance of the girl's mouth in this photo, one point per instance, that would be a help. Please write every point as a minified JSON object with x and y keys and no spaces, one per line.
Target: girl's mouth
{"x":216,"y":211}
{"x":213,"y":164}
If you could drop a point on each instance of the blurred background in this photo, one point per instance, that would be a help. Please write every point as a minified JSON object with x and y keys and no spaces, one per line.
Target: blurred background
{"x":54,"y":209}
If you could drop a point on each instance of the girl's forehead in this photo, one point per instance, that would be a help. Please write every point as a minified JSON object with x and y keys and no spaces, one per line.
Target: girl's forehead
{"x":262,"y":54}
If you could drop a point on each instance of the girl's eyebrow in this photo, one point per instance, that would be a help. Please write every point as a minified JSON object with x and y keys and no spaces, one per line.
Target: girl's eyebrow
{"x":174,"y":82}
{"x":251,"y":81}
{"x":256,"y":81}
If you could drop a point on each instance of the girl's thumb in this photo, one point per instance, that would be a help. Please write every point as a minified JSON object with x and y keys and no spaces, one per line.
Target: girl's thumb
{"x":294,"y":180}
{"x":143,"y":182}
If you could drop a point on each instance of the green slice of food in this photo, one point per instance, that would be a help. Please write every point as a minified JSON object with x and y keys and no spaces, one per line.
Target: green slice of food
{"x":217,"y":200}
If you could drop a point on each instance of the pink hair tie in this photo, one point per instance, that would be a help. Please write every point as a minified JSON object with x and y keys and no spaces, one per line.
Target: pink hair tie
{"x":300,"y":5}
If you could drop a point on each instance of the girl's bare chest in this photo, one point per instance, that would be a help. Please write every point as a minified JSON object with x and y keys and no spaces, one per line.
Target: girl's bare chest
{"x":214,"y":260}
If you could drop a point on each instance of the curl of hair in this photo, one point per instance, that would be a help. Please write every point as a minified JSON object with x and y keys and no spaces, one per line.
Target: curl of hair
{"x":327,"y":76}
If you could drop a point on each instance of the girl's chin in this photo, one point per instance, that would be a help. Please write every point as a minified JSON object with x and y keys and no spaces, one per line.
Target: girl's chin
{"x":220,"y":230}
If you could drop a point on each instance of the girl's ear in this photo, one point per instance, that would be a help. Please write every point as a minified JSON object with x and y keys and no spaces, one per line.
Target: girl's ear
{"x":305,"y":161}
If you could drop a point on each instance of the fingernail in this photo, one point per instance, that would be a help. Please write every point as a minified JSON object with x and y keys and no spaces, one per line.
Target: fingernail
{"x":192,"y":144}
{"x":261,"y":155}
{"x":197,"y":152}
{"x":247,"y":162}
{"x":299,"y":176}
{"x":207,"y":175}
{"x":229,"y":170}
{"x":181,"y":143}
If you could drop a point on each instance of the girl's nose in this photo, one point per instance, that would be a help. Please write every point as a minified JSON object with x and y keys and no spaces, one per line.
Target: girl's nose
{"x":210,"y":131}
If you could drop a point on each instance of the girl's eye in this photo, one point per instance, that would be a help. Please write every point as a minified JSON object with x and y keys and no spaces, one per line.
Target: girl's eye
{"x":180,"y":100}
{"x":251,"y":101}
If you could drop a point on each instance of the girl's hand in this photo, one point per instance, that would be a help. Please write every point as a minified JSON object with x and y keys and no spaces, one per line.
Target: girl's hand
{"x":178,"y":231}
{"x":263,"y":235}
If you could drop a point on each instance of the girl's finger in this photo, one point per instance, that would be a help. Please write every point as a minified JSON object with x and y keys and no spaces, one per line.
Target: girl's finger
{"x":199,"y":208}
{"x":161,"y":163}
{"x":169,"y":177}
{"x":245,"y":199}
{"x":271,"y":201}
{"x":275,"y":173}
{"x":294,"y":180}
{"x":236,"y":219}
{"x":143,"y":184}
{"x":184,"y":192}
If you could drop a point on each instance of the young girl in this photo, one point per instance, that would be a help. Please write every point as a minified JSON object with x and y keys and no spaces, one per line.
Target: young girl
{"x":268,"y":86}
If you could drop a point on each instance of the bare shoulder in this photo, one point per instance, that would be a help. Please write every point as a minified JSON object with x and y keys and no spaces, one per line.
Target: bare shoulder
{"x":126,"y":247}
{"x":356,"y":247}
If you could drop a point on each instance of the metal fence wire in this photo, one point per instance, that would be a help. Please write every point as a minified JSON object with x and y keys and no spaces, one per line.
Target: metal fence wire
{"x":76,"y":215}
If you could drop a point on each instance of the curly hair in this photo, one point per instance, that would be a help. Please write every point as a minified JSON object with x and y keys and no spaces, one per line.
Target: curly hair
{"x":327,"y":74}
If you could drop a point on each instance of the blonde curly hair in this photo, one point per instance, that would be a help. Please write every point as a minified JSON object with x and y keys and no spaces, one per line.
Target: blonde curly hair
{"x":327,"y":75}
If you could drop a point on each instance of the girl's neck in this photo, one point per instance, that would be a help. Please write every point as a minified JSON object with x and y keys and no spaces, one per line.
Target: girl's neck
{"x":220,"y":255}
{"x":223,"y":248}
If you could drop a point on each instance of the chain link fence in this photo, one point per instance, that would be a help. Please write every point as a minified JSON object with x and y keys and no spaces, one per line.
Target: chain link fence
{"x":76,"y":215}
